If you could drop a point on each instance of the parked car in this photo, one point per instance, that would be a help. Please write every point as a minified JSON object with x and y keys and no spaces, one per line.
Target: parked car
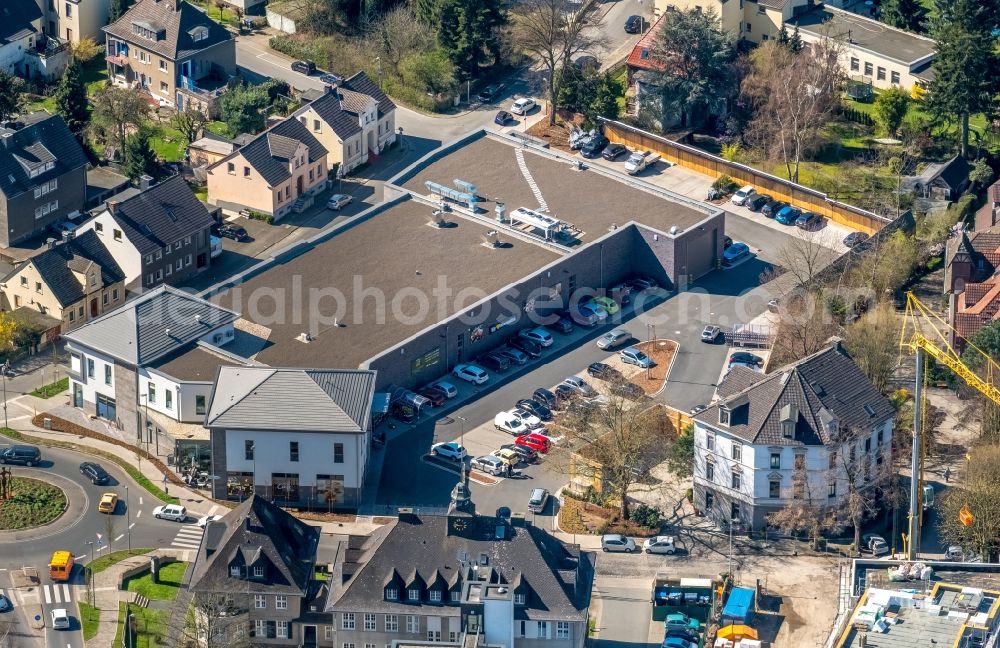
{"x":494,"y":362}
{"x":809,"y":221}
{"x":63,"y":227}
{"x":608,"y":304}
{"x":583,"y":317}
{"x":174,"y":512}
{"x":331,"y":79}
{"x":855,"y":238}
{"x":875,"y":544}
{"x":616,"y":542}
{"x":234,"y":232}
{"x":450,"y":391}
{"x":626,"y":389}
{"x":545,"y":397}
{"x":565,"y":395}
{"x":756,"y":201}
{"x":562,"y":324}
{"x":614,"y":151}
{"x":532,"y":421}
{"x":535,"y":408}
{"x":772,"y":208}
{"x":603,"y":371}
{"x":24,"y":455}
{"x":698,"y":409}
{"x":508,"y":456}
{"x":95,"y":473}
{"x":5,"y":604}
{"x":738,"y":250}
{"x":470,"y":373}
{"x":490,"y":93}
{"x":633,"y":24}
{"x":741,"y":195}
{"x":489,"y":464}
{"x":449,"y":450}
{"x":527,"y":346}
{"x":594,"y":147}
{"x":523,"y":106}
{"x":579,"y":385}
{"x":305,"y":66}
{"x":536,"y":442}
{"x":613,"y":338}
{"x":641,"y":284}
{"x":746,"y":358}
{"x":593,"y":311}
{"x":681,"y":620}
{"x":538,"y":335}
{"x":711,"y":334}
{"x":434,"y":395}
{"x":527,"y":454}
{"x":516,"y":356}
{"x":337,"y":201}
{"x":634,"y":356}
{"x":660,"y":545}
{"x":537,"y":500}
{"x":788,"y":215}
{"x":503,"y":118}
{"x":108,"y":503}
{"x":510,"y":423}
{"x":673,"y":641}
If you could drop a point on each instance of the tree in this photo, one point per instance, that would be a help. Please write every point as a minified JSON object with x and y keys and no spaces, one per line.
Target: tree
{"x":399,"y":34}
{"x":116,"y":8}
{"x":804,"y":256}
{"x":85,"y":50}
{"x":859,"y":475}
{"x":888,"y":266}
{"x":904,"y":14}
{"x":805,"y":324}
{"x":8,"y":330}
{"x":190,"y":122}
{"x":469,"y":32}
{"x":982,"y":347}
{"x":243,"y":108}
{"x":139,"y":157}
{"x":976,"y":492}
{"x":806,"y":510}
{"x":116,"y":113}
{"x":872,"y":341}
{"x":794,"y":95}
{"x":795,"y":42}
{"x":966,"y":65}
{"x":696,"y":56}
{"x":607,"y":94}
{"x":889,"y":110}
{"x":981,"y":174}
{"x":71,"y":98}
{"x":11,"y":95}
{"x":432,"y":72}
{"x":681,"y":457}
{"x":215,"y":620}
{"x":221,"y":6}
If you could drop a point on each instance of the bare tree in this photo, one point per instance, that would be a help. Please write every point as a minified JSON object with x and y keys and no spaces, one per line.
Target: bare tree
{"x":399,"y":34}
{"x":806,"y":509}
{"x":545,"y":29}
{"x":804,"y":326}
{"x":117,"y":113}
{"x":794,"y":95}
{"x":805,"y":255}
{"x":216,"y":620}
{"x":857,"y":472}
{"x":976,"y":493}
{"x":872,"y":342}
{"x":886,"y":267}
{"x":190,"y":122}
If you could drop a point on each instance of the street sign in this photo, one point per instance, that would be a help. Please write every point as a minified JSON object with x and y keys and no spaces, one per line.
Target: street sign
{"x":100,"y":539}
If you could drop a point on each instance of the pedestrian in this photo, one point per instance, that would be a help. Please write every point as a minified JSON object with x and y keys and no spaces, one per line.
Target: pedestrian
{"x":947,"y":474}
{"x":508,"y":470}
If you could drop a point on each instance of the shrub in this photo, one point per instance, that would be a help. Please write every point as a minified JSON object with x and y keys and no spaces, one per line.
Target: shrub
{"x":645,"y":515}
{"x":689,"y":494}
{"x":725,"y":184}
{"x":256,"y":215}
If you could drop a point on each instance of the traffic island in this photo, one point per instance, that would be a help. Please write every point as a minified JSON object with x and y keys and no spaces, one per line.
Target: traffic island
{"x":28,"y":503}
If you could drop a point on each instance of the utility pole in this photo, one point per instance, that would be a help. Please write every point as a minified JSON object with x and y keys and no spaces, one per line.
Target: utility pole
{"x":913,"y":532}
{"x":128,"y":525}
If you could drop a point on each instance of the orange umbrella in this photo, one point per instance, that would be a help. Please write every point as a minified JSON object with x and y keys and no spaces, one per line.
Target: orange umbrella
{"x":737,"y":632}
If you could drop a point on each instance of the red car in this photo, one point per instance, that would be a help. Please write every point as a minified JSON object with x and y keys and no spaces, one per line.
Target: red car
{"x":436,"y":396}
{"x":534,"y":441}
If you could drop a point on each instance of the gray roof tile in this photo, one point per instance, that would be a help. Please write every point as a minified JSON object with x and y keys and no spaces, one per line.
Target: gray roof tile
{"x":291,"y":399}
{"x":270,"y":151}
{"x":16,"y":17}
{"x":176,"y":18}
{"x":56,"y":265}
{"x":339,"y":106}
{"x":43,"y":138}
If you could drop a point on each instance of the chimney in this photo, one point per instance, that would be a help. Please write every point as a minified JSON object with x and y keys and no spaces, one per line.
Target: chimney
{"x":407,"y":515}
{"x":113,"y":207}
{"x":6,"y":137}
{"x":68,"y":235}
{"x":517,"y":520}
{"x":145,"y":182}
{"x":50,"y":243}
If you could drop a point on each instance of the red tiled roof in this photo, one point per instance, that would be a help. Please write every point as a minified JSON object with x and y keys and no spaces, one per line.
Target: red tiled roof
{"x":975,"y":292}
{"x":641,"y":56}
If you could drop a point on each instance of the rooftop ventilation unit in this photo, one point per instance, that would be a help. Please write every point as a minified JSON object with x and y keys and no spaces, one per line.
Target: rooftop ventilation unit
{"x":304,"y":337}
{"x":436,"y":219}
{"x":491,"y":239}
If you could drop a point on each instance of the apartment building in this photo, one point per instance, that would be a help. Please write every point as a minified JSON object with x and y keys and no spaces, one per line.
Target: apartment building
{"x":74,"y":20}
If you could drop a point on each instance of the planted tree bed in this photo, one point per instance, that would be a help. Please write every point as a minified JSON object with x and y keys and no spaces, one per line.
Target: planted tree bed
{"x":32,"y":503}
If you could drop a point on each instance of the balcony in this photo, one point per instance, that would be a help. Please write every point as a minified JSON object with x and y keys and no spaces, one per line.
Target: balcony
{"x":210,"y":86}
{"x":48,"y":46}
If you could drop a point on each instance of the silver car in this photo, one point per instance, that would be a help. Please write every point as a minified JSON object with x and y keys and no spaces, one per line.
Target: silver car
{"x":613,"y":338}
{"x":488,"y":464}
{"x":616,"y":542}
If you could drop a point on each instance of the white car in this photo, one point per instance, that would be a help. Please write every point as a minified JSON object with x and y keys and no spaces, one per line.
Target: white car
{"x":208,"y":519}
{"x":470,"y":373}
{"x":711,"y":333}
{"x":538,"y":335}
{"x":532,"y":421}
{"x":511,"y":423}
{"x":489,"y":464}
{"x":659,"y":545}
{"x":743,"y":194}
{"x":60,"y":619}
{"x":170,"y":512}
{"x":337,"y":201}
{"x":522,"y":106}
{"x":449,"y":450}
{"x":450,"y":391}
{"x":548,"y":434}
{"x":614,"y":338}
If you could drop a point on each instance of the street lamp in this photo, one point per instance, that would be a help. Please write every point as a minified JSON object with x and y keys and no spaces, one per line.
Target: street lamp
{"x":128,"y":526}
{"x":6,"y":368}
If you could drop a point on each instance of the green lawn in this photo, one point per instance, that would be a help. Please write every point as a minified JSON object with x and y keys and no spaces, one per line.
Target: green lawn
{"x":89,"y":618}
{"x":151,"y":626}
{"x":95,"y":74}
{"x":171,"y":577}
{"x":53,"y":389}
{"x":228,"y":15}
{"x":170,"y":144}
{"x":113,"y":558}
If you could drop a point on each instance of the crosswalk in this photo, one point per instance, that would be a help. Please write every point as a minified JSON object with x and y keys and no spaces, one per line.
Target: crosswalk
{"x":57,"y":594}
{"x":189,"y":537}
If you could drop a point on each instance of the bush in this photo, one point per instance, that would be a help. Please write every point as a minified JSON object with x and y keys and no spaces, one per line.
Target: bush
{"x":689,"y":494}
{"x":645,"y":515}
{"x":256,"y":215}
{"x":725,"y":184}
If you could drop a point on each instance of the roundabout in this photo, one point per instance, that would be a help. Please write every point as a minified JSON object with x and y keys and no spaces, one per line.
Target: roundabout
{"x":28,"y":503}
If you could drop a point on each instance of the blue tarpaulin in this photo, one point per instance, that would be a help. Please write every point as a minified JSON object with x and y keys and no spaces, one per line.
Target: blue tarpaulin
{"x":738,"y":606}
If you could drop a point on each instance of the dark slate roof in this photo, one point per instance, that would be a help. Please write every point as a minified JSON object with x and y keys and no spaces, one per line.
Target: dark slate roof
{"x":823,"y":384}
{"x":176,"y":19}
{"x":256,"y":533}
{"x":158,"y":323}
{"x":343,"y":123}
{"x":954,"y":173}
{"x":362,"y":83}
{"x":16,"y":17}
{"x":43,"y":138}
{"x":419,"y":550}
{"x":339,"y":106}
{"x":162,"y":214}
{"x":318,"y":400}
{"x":56,"y":266}
{"x":269,"y":152}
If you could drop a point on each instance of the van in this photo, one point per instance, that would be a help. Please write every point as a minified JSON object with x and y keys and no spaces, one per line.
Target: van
{"x":61,"y":566}
{"x":536,"y":503}
{"x":21,"y":454}
{"x":173,"y":512}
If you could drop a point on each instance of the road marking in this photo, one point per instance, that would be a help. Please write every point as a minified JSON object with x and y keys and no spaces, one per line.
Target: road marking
{"x":139,"y":514}
{"x":119,"y":537}
{"x":48,"y":596}
{"x":131,"y":525}
{"x":66,"y":598}
{"x":188,"y":537}
{"x":140,"y":502}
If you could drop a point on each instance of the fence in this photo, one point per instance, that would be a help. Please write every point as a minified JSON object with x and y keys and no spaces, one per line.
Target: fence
{"x":715,"y":166}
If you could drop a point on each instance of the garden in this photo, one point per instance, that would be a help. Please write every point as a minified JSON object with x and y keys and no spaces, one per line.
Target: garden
{"x":153,"y":618}
{"x":31,"y":503}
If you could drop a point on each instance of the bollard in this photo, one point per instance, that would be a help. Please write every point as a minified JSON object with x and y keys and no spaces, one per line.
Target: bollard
{"x":154,"y":569}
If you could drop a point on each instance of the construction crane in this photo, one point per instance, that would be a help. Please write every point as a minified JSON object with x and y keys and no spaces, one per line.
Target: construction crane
{"x":925,"y":332}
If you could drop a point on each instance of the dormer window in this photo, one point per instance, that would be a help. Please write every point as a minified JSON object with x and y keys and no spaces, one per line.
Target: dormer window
{"x":434,"y":596}
{"x":724,"y":415}
{"x":391,"y":594}
{"x":456,"y":596}
{"x":234,"y":570}
{"x":519,"y":598}
{"x":413,"y":594}
{"x":198,"y":33}
{"x":258,"y":571}
{"x":789,"y":419}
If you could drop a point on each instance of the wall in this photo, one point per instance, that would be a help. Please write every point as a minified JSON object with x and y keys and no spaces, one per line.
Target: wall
{"x":280,"y":22}
{"x":124,"y":253}
{"x":235,"y":187}
{"x":161,"y":266}
{"x":95,"y":385}
{"x":126,"y":398}
{"x":86,"y":22}
{"x":714,"y":166}
{"x":21,"y":223}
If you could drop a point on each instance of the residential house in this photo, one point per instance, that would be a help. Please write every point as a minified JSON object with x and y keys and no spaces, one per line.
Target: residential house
{"x":772,"y":439}
{"x":253,"y":576}
{"x":310,"y":450}
{"x":972,"y":282}
{"x":75,"y":20}
{"x":941,"y":182}
{"x":74,"y":282}
{"x":870,"y":51}
{"x":24,"y":49}
{"x":277,"y":172}
{"x":43,"y":176}
{"x":160,"y":235}
{"x":354,"y":121}
{"x":989,"y":214}
{"x":460,"y":579}
{"x":149,"y":366}
{"x":173,"y":51}
{"x":209,"y":149}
